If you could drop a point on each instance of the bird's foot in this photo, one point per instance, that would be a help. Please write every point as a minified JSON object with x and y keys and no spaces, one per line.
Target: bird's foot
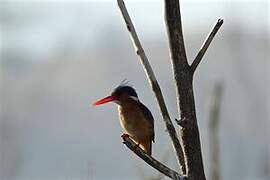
{"x":124,"y":136}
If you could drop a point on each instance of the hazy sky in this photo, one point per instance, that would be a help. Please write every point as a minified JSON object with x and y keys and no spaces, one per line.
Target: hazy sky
{"x":61,"y":56}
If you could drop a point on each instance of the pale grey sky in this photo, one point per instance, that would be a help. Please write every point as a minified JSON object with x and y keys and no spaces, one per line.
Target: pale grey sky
{"x":61,"y":56}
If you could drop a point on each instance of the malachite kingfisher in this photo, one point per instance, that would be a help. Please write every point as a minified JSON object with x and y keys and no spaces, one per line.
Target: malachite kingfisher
{"x":135,"y":118}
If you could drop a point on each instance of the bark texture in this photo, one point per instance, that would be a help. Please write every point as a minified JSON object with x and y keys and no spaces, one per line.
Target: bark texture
{"x":189,"y":131}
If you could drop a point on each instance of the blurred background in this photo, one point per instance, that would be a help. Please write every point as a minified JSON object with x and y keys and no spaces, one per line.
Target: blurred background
{"x":58,"y":57}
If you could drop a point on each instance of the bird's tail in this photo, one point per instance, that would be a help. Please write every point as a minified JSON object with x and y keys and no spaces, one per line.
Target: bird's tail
{"x":147,"y":147}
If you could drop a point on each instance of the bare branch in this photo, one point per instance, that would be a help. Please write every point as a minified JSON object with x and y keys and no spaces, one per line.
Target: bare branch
{"x":151,"y":161}
{"x":165,"y":159}
{"x":155,"y":86}
{"x":205,"y":45}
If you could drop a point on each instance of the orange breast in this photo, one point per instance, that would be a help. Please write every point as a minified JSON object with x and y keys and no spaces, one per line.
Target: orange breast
{"x":134,"y":123}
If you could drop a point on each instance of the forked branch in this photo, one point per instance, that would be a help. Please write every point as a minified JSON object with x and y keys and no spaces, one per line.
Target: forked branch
{"x":183,"y":75}
{"x":189,"y":156}
{"x":154,"y":84}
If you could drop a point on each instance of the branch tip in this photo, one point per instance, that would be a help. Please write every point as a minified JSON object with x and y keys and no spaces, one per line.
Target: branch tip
{"x":220,"y":21}
{"x":205,"y":45}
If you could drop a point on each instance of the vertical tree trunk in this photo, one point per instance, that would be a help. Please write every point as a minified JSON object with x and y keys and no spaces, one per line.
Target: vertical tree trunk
{"x":189,"y":130}
{"x":183,"y":75}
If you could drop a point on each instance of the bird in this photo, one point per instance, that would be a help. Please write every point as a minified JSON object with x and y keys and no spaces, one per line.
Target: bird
{"x":135,"y":118}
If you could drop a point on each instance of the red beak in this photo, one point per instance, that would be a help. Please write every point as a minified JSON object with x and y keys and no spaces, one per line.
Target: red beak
{"x":104,"y":100}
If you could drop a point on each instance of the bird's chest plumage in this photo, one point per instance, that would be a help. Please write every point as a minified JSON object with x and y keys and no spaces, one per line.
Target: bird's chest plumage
{"x":133,"y":122}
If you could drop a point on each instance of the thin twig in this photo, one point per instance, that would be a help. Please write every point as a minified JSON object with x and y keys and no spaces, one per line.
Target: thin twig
{"x":154,"y":84}
{"x":205,"y":45}
{"x":151,"y":161}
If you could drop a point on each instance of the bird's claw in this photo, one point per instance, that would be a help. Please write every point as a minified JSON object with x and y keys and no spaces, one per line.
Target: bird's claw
{"x":124,"y":136}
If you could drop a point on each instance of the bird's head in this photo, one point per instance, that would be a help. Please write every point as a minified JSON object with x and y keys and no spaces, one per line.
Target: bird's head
{"x":119,"y":95}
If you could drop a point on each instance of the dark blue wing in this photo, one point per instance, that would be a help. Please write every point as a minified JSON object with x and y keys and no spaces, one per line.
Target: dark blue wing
{"x":149,"y":117}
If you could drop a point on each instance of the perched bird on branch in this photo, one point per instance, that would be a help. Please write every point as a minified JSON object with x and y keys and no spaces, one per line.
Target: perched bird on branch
{"x":135,"y":118}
